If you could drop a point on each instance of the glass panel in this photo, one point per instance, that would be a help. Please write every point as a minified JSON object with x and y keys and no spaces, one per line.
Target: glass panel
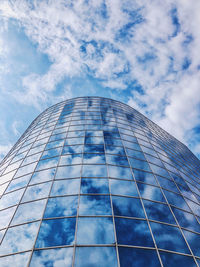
{"x":63,"y":233}
{"x":133,"y":232}
{"x":120,"y":172}
{"x":94,"y":158}
{"x":150,"y":192}
{"x":95,"y":186}
{"x":165,"y":183}
{"x":65,"y":187}
{"x":115,"y":150}
{"x":47,"y":163}
{"x":29,"y":212}
{"x":51,"y":153}
{"x":94,"y":149}
{"x":26,"y":169}
{"x":43,"y":176}
{"x":194,"y":241}
{"x":59,"y":257}
{"x":11,"y":199}
{"x":93,"y":140}
{"x":94,"y":205}
{"x":71,"y":159}
{"x":18,"y":183}
{"x":96,"y":256}
{"x":68,"y":172}
{"x":18,"y":260}
{"x":125,"y":206}
{"x":176,"y":200}
{"x":139,"y":164}
{"x":6,"y":216}
{"x":175,"y":260}
{"x":72,"y":149}
{"x":136,"y":257}
{"x":61,"y":206}
{"x":94,"y":171}
{"x":37,"y":191}
{"x":186,"y":220}
{"x":120,"y":187}
{"x":169,"y":237}
{"x":158,"y":212}
{"x":145,"y":177}
{"x":19,"y":238}
{"x":117,"y":160}
{"x":95,"y":231}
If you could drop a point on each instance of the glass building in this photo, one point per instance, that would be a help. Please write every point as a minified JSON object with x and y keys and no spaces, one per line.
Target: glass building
{"x":92,"y":182}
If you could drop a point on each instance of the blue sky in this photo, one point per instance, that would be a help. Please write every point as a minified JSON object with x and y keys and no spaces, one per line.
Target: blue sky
{"x":143,"y":53}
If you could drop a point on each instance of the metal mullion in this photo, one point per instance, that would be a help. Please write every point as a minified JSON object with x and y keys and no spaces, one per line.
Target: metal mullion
{"x":77,"y":214}
{"x":52,"y":181}
{"x":147,"y":220}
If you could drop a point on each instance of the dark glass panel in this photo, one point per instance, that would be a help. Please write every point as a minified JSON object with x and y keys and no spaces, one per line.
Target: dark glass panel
{"x":94,"y":158}
{"x":145,"y":177}
{"x":117,"y":160}
{"x":133,"y":232}
{"x":136,"y":257}
{"x":126,"y":206}
{"x":158,"y":212}
{"x":193,"y":241}
{"x":95,"y":186}
{"x":169,"y":237}
{"x":63,"y":233}
{"x":150,"y":192}
{"x":176,"y":260}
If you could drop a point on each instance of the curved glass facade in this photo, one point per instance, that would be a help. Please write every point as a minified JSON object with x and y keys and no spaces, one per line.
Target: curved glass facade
{"x":92,"y":182}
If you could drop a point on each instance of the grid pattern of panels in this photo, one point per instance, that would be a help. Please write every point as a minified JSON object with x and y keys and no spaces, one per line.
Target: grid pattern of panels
{"x":92,"y":182}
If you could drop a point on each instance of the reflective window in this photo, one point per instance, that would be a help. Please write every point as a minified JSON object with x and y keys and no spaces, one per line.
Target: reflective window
{"x":37,"y":191}
{"x":95,"y":186}
{"x":94,"y":171}
{"x":61,"y":206}
{"x":65,"y":187}
{"x":158,"y":212}
{"x":193,"y":241}
{"x":47,"y":163}
{"x":145,"y":177}
{"x":18,"y":183}
{"x":18,"y":259}
{"x":120,"y":172}
{"x":68,"y":172}
{"x":169,"y":237}
{"x":120,"y":187}
{"x":43,"y":176}
{"x":29,"y":212}
{"x":136,"y":257}
{"x":174,"y":260}
{"x":11,"y":199}
{"x":63,"y":230}
{"x":126,"y":206}
{"x":96,"y":256}
{"x":52,"y":257}
{"x":94,"y":205}
{"x":150,"y":192}
{"x":71,"y":159}
{"x":95,"y":231}
{"x":133,"y":232}
{"x":6,"y":216}
{"x":19,"y":238}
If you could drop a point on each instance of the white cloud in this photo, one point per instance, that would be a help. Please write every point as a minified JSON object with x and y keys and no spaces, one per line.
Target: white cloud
{"x":101,"y":36}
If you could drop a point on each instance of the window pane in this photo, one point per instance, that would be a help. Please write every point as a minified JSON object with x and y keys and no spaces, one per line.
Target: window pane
{"x":120,"y":172}
{"x":18,"y":260}
{"x":169,"y":237}
{"x":174,"y":260}
{"x":94,"y":205}
{"x":94,"y":171}
{"x":37,"y":191}
{"x":96,"y":256}
{"x":135,"y":257}
{"x":63,"y":232}
{"x":61,"y":257}
{"x":68,"y":172}
{"x":96,"y":186}
{"x":120,"y":187}
{"x":133,"y":232}
{"x":61,"y":206}
{"x":95,"y":231}
{"x":65,"y":187}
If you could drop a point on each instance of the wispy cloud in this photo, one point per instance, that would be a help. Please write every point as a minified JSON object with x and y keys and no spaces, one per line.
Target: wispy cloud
{"x":148,"y":49}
